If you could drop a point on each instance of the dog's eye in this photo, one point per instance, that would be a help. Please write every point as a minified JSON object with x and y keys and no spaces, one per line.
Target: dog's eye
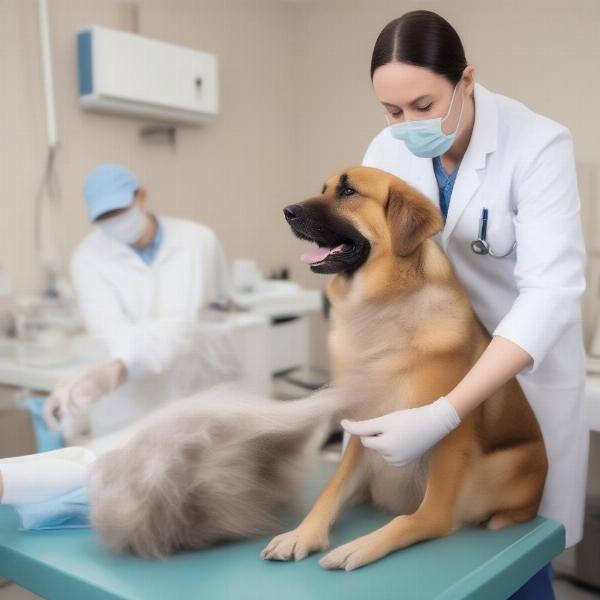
{"x":348,"y":192}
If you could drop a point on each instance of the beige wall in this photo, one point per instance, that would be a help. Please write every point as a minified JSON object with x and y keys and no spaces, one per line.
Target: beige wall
{"x":296,"y":100}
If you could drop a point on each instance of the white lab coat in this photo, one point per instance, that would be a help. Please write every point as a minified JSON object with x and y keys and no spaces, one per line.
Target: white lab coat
{"x":520,"y":165}
{"x":147,"y":316}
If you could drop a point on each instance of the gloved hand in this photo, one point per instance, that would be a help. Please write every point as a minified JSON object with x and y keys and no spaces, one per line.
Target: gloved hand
{"x":403,"y":435}
{"x":73,"y":397}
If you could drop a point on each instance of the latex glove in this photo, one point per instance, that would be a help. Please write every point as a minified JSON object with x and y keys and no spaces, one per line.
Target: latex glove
{"x":403,"y":435}
{"x":73,"y":397}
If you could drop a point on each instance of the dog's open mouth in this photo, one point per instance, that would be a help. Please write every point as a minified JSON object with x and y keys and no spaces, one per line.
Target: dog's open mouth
{"x":344,"y":254}
{"x":340,"y":247}
{"x":321,"y":253}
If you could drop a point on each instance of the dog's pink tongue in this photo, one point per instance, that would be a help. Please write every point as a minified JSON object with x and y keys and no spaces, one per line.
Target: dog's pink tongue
{"x":315,"y":255}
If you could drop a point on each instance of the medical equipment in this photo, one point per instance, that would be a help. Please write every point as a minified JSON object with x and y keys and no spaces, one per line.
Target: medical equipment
{"x":288,"y":307}
{"x":49,"y":185}
{"x":43,"y":328}
{"x":481,"y":245}
{"x":122,"y":72}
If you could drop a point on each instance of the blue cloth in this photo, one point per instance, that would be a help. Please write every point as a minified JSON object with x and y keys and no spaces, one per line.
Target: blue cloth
{"x":109,"y":187}
{"x":539,"y":587}
{"x":148,"y":253}
{"x":68,"y":511}
{"x":46,"y":439}
{"x":445,"y":184}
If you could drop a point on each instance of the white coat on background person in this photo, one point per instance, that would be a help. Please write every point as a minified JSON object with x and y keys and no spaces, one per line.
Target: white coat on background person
{"x":520,"y":165}
{"x":146,"y":312}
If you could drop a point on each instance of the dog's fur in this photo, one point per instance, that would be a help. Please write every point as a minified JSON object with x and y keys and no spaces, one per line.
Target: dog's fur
{"x":404,"y":333}
{"x":211,"y":468}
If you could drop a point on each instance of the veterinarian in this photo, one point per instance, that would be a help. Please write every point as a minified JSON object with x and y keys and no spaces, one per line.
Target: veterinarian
{"x":140,"y":282}
{"x":505,"y":181}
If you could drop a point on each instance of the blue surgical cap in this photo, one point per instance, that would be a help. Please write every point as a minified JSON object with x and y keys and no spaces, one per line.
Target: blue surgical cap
{"x":109,"y":187}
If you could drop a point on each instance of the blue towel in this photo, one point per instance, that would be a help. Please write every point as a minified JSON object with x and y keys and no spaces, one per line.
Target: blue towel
{"x":46,"y":438}
{"x":68,"y":511}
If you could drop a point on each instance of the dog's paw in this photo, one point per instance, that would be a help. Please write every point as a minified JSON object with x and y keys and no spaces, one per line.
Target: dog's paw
{"x":354,"y":554}
{"x":294,"y":545}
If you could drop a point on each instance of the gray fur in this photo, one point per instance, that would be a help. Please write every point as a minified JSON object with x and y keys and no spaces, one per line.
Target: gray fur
{"x":207,"y":469}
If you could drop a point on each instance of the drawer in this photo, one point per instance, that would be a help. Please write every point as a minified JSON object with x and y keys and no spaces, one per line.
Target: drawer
{"x":288,"y":343}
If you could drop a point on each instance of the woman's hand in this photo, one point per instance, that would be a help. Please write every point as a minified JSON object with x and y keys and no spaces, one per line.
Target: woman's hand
{"x":403,"y":435}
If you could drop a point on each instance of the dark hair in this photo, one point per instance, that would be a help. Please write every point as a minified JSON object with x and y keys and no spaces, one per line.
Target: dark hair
{"x":424,"y":39}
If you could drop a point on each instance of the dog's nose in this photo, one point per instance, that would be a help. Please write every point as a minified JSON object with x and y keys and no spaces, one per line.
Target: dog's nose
{"x":292,"y":212}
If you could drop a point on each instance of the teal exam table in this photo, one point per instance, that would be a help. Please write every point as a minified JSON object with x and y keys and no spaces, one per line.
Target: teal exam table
{"x":473,"y":563}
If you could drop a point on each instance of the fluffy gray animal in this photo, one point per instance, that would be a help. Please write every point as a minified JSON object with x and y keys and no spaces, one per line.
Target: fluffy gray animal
{"x":210,"y":468}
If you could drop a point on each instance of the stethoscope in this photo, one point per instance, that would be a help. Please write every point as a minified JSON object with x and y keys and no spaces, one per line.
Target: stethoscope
{"x":481,"y":245}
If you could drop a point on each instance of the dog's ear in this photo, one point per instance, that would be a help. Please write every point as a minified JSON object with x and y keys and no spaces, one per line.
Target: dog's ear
{"x":411,"y":217}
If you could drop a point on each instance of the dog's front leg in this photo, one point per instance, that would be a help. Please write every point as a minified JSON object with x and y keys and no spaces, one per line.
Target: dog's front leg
{"x":313,"y":532}
{"x":435,"y":517}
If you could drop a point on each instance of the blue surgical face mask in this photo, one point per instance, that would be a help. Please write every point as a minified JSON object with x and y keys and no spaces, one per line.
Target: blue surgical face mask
{"x":425,"y":137}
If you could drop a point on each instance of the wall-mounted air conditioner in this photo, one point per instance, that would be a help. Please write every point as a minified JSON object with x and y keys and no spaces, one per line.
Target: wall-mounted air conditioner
{"x":122,"y":72}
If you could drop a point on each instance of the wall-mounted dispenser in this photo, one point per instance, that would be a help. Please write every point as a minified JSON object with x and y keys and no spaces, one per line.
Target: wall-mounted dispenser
{"x":126,"y":73}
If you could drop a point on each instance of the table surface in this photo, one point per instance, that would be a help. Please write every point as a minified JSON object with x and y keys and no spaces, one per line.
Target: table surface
{"x":473,"y":563}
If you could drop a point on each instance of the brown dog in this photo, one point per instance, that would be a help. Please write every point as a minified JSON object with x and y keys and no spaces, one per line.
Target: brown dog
{"x":403,"y":334}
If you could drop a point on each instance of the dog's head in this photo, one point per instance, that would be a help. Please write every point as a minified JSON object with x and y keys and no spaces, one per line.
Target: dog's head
{"x":361,"y":212}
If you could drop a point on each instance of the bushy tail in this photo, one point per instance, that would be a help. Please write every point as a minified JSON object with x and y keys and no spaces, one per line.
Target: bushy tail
{"x":210,"y":468}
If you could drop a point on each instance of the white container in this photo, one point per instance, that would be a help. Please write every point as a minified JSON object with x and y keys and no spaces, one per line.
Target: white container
{"x":245,"y":274}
